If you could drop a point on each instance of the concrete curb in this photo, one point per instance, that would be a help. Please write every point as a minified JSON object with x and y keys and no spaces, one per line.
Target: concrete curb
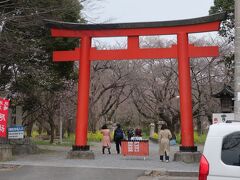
{"x":182,"y":173}
{"x":154,"y":173}
{"x":8,"y":167}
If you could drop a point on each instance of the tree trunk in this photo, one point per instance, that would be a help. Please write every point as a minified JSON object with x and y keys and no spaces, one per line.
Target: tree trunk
{"x":52,"y":127}
{"x":40,"y":129}
{"x":69,"y":127}
{"x":199,"y":125}
{"x":29,"y":129}
{"x":198,"y":119}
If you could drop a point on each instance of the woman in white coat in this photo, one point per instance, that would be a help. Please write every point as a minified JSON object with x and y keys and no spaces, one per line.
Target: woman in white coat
{"x":164,"y":142}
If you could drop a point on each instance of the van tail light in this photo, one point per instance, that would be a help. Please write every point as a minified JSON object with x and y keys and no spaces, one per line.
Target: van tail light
{"x":203,"y":168}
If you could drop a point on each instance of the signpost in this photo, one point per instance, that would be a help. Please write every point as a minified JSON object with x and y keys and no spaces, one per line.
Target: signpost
{"x":4,"y":104}
{"x":135,"y":148}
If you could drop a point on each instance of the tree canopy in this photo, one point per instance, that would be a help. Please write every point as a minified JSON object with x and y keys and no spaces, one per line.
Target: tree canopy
{"x":26,"y":45}
{"x":226,"y":30}
{"x":228,"y":25}
{"x":26,"y":67}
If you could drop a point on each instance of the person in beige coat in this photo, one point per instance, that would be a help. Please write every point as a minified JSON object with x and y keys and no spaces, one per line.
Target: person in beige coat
{"x":164,"y":142}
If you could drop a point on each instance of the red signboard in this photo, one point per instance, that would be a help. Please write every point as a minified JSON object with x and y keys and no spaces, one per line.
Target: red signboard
{"x":4,"y":104}
{"x":135,"y":148}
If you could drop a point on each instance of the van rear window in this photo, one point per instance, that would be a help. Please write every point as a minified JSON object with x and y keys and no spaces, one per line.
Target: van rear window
{"x":231,"y":149}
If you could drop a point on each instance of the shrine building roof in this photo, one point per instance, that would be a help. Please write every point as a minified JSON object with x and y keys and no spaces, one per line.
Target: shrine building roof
{"x":226,"y":92}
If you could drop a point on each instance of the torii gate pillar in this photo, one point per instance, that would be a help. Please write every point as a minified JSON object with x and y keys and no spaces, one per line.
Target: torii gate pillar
{"x":182,"y":51}
{"x":83,"y":95}
{"x":185,"y":92}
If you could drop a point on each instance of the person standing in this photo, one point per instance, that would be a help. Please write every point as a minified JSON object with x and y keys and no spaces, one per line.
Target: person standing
{"x":137,"y":135}
{"x":130,"y":133}
{"x":118,"y":137}
{"x":138,"y":132}
{"x":106,"y":140}
{"x":164,"y":142}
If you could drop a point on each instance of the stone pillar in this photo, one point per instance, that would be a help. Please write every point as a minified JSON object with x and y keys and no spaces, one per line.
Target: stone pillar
{"x":152,"y":127}
{"x":237,"y":62}
{"x":5,"y":152}
{"x":18,"y":115}
{"x":9,"y":117}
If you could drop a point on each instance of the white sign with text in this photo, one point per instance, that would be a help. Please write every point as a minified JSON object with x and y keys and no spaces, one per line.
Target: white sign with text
{"x":222,"y":117}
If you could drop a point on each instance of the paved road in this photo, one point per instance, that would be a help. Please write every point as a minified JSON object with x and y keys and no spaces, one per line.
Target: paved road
{"x":53,"y":165}
{"x":68,"y":173}
{"x":71,"y":173}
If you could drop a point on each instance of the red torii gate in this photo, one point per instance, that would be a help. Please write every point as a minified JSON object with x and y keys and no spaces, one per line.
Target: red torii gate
{"x":182,"y":51}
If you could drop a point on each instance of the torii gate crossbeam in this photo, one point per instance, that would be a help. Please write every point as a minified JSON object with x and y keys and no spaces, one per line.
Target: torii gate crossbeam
{"x":182,"y":51}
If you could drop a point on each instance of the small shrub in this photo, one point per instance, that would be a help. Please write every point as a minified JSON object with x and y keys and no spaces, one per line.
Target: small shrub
{"x":35,"y":134}
{"x":155,"y":136}
{"x":145,"y":132}
{"x":199,"y":139}
{"x":96,"y":137}
{"x":70,"y":138}
{"x":178,"y":138}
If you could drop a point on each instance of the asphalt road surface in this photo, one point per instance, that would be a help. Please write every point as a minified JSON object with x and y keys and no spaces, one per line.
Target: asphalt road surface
{"x":68,"y":173}
{"x":72,"y":173}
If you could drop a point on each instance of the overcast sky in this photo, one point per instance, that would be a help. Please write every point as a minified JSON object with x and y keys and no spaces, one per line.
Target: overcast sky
{"x":114,"y":11}
{"x":119,"y":11}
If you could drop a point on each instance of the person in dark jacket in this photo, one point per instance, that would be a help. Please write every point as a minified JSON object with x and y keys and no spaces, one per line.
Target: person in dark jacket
{"x":130,"y":133}
{"x":118,"y":137}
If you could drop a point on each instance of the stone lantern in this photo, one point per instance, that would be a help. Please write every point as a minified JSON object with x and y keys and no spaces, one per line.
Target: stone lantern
{"x":226,"y":96}
{"x":152,"y":128}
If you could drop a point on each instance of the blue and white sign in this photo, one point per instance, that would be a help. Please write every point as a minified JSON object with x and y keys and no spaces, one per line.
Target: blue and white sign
{"x":16,"y":132}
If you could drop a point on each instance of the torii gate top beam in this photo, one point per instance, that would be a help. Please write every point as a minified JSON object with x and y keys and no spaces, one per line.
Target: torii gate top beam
{"x":202,"y":24}
{"x":133,"y":31}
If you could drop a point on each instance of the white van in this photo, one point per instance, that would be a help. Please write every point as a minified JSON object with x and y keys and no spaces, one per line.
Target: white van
{"x":221,"y":155}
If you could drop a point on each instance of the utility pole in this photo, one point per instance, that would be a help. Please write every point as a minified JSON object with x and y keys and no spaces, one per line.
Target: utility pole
{"x":237,"y":61}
